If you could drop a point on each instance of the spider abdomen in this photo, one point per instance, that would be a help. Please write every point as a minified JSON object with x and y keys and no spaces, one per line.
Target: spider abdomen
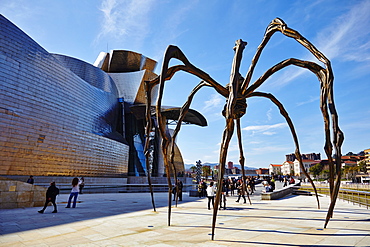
{"x":238,"y":110}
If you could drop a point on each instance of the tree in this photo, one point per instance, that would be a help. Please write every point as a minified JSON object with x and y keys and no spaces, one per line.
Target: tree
{"x":193,"y":169}
{"x":325,"y":173}
{"x":350,"y":171}
{"x":316,"y":169}
{"x":362,"y":166}
{"x":206,"y":170}
{"x":349,"y":154}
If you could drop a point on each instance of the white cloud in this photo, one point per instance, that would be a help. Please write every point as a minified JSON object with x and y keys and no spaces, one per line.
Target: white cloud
{"x":233,"y":147}
{"x":265,"y":128}
{"x":290,"y":74}
{"x":312,"y":99}
{"x":123,"y":18}
{"x":269,"y":149}
{"x":269,"y":133}
{"x":345,"y":39}
{"x":172,"y":29}
{"x":255,"y":142}
{"x":215,"y":101}
{"x":269,"y":114}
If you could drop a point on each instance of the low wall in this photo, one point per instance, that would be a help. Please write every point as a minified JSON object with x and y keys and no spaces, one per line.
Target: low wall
{"x":99,"y":184}
{"x":277,"y":194}
{"x":65,"y":183}
{"x":156,"y":180}
{"x":16,"y":194}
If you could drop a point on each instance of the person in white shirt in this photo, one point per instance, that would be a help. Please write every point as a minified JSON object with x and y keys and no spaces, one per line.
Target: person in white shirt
{"x":211,"y":195}
{"x":74,"y":193}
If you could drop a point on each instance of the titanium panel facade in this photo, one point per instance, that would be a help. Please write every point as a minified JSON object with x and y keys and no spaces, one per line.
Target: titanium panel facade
{"x":60,"y":116}
{"x":57,"y":114}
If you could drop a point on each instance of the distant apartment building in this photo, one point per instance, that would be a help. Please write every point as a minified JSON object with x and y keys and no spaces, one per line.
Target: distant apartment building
{"x":367,"y":159}
{"x":291,"y":165}
{"x":262,"y":171}
{"x":351,"y":160}
{"x":231,"y":169}
{"x":275,"y":169}
{"x":307,"y":165}
{"x":287,"y":168}
{"x":311,"y":156}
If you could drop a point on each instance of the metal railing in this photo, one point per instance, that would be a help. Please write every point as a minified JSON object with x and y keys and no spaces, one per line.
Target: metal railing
{"x":359,"y":197}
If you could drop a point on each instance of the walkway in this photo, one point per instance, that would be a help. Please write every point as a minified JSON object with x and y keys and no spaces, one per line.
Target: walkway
{"x":127,"y":219}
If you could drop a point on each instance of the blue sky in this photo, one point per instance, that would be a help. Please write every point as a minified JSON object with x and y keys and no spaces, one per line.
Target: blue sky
{"x":206,"y":31}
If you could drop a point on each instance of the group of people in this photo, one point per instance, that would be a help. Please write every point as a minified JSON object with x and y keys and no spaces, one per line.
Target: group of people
{"x":228,"y":186}
{"x":269,"y":184}
{"x":231,"y":184}
{"x":288,"y":179}
{"x":53,"y":191}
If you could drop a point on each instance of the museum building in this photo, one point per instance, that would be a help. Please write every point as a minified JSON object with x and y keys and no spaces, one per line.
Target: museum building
{"x":61,"y":116}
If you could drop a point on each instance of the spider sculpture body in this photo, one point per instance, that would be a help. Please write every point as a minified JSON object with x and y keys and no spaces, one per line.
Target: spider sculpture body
{"x":236,"y":92}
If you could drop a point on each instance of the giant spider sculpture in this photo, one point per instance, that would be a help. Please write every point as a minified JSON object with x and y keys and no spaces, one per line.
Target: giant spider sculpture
{"x":236,"y":92}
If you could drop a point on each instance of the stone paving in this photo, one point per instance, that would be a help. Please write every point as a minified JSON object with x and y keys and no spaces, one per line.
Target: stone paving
{"x":127,"y":219}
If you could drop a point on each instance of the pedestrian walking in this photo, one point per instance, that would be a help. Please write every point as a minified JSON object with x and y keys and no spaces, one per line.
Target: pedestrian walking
{"x":51,"y":195}
{"x":241,"y":191}
{"x":211,"y":195}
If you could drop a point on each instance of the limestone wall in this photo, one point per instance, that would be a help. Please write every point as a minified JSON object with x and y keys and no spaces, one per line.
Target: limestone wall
{"x":15,"y":194}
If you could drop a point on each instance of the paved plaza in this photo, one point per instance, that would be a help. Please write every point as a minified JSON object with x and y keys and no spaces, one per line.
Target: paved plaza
{"x":127,"y":219}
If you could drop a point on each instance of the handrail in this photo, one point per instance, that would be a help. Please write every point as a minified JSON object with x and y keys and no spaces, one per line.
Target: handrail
{"x":359,"y":197}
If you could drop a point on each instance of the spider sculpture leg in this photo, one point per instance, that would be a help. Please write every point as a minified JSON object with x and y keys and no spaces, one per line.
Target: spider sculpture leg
{"x":161,"y":122}
{"x":164,"y":145}
{"x":148,"y":91}
{"x":230,"y":113}
{"x":227,"y":134}
{"x":184,"y":110}
{"x":326,"y":78}
{"x":241,"y":158}
{"x":148,"y":88}
{"x":285,"y":114}
{"x":321,"y":73}
{"x":166,"y":74}
{"x":338,"y":139}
